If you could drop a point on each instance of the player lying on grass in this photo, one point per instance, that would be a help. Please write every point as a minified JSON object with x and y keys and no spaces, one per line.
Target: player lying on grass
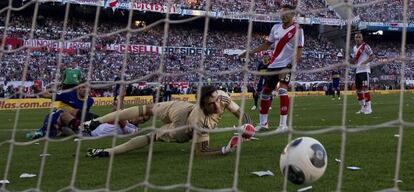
{"x":182,"y":115}
{"x":65,"y":119}
{"x":122,"y":127}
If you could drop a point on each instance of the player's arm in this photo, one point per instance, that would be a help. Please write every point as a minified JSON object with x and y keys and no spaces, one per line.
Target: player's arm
{"x":46,"y":95}
{"x":202,"y":139}
{"x":203,"y":148}
{"x":370,"y":58}
{"x":301,"y":42}
{"x":236,"y":110}
{"x":298,"y":54}
{"x":263,"y":47}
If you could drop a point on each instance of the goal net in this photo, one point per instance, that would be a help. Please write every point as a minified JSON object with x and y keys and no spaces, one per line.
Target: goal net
{"x":176,"y":47}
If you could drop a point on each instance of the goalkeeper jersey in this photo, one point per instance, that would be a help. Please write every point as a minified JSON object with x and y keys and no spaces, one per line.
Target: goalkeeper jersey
{"x":72,"y":76}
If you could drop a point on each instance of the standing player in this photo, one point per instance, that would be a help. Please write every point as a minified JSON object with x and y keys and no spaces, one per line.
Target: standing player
{"x":362,"y":56}
{"x":71,"y":76}
{"x":118,"y":95}
{"x":180,"y":115}
{"x":262,"y":68}
{"x":284,"y":37}
{"x":336,"y":76}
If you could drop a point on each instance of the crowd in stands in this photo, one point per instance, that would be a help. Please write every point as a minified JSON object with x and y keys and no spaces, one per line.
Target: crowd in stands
{"x":216,"y":67}
{"x":378,"y":11}
{"x":260,"y":6}
{"x":383,"y":11}
{"x":368,"y":10}
{"x":373,"y":10}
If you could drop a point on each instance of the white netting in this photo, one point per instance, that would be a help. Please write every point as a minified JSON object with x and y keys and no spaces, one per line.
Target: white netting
{"x":252,"y":10}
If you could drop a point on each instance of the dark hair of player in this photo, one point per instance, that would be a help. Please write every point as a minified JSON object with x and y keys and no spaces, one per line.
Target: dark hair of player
{"x":206,"y":91}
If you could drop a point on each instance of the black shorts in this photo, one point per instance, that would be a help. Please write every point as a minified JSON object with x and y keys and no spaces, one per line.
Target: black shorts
{"x":335,"y":83}
{"x":272,"y":80}
{"x":362,"y":80}
{"x":260,"y":83}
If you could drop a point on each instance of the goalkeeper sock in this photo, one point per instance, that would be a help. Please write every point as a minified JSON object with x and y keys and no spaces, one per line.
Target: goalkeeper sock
{"x":126,"y":114}
{"x":134,"y":143}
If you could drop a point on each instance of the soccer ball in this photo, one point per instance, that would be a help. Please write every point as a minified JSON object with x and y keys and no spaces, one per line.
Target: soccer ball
{"x":306,"y":160}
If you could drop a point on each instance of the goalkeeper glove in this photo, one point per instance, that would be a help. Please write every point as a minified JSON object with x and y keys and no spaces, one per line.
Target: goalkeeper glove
{"x":231,"y":146}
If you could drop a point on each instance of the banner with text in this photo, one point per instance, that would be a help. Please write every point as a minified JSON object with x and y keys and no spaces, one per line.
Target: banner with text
{"x":152,"y":7}
{"x":55,"y":44}
{"x":151,"y":49}
{"x":12,"y":104}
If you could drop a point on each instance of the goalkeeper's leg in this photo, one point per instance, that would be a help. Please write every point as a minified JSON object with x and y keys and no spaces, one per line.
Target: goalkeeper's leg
{"x":126,"y":114}
{"x":134,"y":143}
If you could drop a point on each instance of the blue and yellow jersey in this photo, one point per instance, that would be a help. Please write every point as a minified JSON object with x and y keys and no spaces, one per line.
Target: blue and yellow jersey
{"x":261,"y":67}
{"x":336,"y":74}
{"x":71,"y":101}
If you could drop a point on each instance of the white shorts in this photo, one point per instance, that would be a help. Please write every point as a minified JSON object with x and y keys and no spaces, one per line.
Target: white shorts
{"x":110,"y":129}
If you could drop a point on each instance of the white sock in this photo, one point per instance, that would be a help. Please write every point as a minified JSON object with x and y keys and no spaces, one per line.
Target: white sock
{"x":368,"y":105}
{"x":263,"y":119}
{"x":362,"y":103}
{"x":283,"y":120}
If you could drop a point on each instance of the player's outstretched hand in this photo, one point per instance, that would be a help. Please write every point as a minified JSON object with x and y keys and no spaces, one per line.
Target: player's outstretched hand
{"x":231,"y":146}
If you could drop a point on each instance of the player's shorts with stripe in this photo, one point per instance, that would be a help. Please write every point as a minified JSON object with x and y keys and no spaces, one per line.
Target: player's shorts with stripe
{"x":272,"y":80}
{"x":362,"y":80}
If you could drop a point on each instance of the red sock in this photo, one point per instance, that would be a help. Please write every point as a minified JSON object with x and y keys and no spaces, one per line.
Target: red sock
{"x":264,"y":106}
{"x":367,"y":97}
{"x":360,"y":96}
{"x":284,"y":104}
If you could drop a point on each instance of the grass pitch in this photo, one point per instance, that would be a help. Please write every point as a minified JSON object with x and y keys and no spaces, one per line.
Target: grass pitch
{"x":374,"y":151}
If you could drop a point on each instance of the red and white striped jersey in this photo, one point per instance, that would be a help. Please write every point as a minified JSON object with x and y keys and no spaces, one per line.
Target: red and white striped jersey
{"x":361,"y":53}
{"x":284,"y":43}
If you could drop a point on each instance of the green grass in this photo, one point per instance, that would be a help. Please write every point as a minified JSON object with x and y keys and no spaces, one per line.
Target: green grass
{"x":374,"y":151}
